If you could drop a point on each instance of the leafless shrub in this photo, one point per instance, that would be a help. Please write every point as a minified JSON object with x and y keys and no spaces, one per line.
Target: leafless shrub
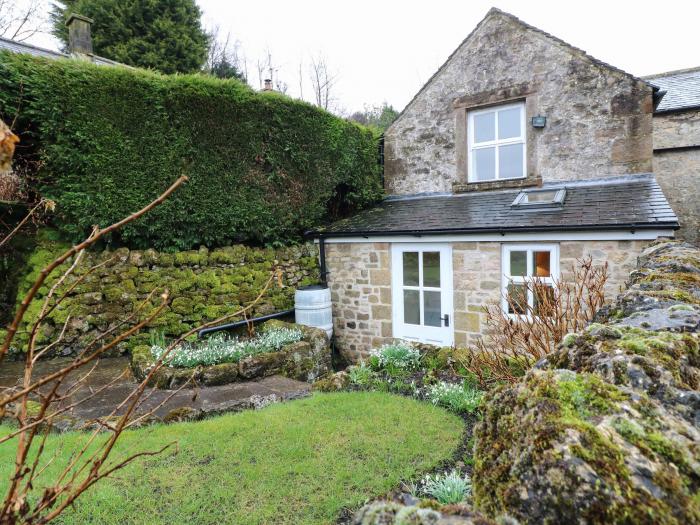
{"x":22,"y":20}
{"x":514,"y":343}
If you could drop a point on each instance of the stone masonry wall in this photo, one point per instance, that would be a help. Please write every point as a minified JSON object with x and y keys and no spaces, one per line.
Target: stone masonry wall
{"x":678,"y":171}
{"x":203,"y":285}
{"x":599,"y":120}
{"x":360,"y":282}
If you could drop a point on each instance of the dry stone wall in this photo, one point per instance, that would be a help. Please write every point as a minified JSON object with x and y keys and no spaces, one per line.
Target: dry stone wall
{"x":203,"y":285}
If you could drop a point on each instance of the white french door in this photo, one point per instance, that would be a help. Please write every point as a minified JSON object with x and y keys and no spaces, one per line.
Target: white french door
{"x":422,"y":292}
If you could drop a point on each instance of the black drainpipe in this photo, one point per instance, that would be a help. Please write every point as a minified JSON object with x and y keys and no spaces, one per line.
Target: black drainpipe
{"x":322,"y":261}
{"x":244,"y":322}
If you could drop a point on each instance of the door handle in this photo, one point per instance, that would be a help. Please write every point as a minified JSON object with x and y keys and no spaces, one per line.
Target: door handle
{"x":446,"y":318}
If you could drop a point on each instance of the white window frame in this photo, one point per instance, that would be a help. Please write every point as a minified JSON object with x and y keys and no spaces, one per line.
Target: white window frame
{"x":496,"y":143}
{"x":507,"y":278}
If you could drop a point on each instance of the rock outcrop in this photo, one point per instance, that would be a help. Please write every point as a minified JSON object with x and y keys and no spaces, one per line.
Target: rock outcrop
{"x":606,"y":429}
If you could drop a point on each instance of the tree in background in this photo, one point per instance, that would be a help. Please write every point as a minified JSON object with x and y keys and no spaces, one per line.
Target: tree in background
{"x":20,"y":22}
{"x":225,"y":58}
{"x":380,"y":117}
{"x":165,"y":35}
{"x":323,"y":82}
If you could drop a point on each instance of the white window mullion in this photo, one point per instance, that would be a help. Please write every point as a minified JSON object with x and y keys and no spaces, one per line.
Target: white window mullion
{"x":420,"y":288}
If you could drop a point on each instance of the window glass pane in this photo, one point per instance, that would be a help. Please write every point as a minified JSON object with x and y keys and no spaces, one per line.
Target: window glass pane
{"x":484,"y":127}
{"x":410,"y":268}
{"x":517,"y":299}
{"x":485,"y":163}
{"x":411,"y":306}
{"x":518,"y":263}
{"x":544,"y":300}
{"x":509,"y":123}
{"x":431,"y":269}
{"x":541,"y":196}
{"x":510,"y":161}
{"x":541,"y":264}
{"x":432,"y":309}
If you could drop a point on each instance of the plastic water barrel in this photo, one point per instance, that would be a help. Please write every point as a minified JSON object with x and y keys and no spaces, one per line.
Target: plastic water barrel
{"x":312,"y":307}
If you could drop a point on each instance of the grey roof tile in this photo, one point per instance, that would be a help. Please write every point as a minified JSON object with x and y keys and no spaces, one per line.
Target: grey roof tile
{"x":634,"y":201}
{"x":23,"y":47}
{"x":682,"y":89}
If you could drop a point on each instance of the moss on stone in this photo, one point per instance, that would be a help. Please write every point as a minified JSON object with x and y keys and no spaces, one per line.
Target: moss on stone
{"x":533,"y":438}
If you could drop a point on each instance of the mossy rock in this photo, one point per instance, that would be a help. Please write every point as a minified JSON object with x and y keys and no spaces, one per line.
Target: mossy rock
{"x":550,"y":449}
{"x":663,"y":365}
{"x":333,"y":383}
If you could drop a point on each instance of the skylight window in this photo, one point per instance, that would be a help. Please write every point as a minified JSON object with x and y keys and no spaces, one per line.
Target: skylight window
{"x":540,"y":198}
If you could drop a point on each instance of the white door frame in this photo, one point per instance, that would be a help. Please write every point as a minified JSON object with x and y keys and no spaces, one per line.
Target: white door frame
{"x":442,"y":335}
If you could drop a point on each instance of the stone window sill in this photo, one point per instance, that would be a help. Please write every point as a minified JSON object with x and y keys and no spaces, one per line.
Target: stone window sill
{"x":462,"y":187}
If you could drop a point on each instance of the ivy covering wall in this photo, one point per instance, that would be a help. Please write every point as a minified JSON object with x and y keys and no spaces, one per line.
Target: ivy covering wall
{"x":263,"y":167}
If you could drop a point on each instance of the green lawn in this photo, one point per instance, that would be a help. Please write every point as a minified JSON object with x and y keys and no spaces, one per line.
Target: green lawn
{"x":299,"y":462}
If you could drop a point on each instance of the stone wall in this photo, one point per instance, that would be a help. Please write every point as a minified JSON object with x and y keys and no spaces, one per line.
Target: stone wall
{"x":677,"y":130}
{"x":360,"y":282}
{"x":203,"y":285}
{"x":678,"y":170}
{"x":599,"y":120}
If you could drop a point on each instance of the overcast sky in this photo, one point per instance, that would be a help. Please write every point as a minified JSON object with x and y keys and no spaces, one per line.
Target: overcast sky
{"x":385,"y":50}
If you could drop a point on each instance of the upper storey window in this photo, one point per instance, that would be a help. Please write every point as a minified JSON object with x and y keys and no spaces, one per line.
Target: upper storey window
{"x":496,"y":141}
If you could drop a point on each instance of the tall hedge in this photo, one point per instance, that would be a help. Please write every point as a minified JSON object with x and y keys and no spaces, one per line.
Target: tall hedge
{"x":262,"y":167}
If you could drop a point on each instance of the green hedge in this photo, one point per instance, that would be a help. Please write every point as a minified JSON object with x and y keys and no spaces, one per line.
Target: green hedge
{"x":262,"y":167}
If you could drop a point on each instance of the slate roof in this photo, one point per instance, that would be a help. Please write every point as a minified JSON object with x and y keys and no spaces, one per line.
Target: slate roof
{"x":630,"y":202}
{"x":23,"y":47}
{"x":682,"y":89}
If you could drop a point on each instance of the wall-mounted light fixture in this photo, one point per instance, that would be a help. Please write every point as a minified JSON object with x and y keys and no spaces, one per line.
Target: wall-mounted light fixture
{"x":539,"y":121}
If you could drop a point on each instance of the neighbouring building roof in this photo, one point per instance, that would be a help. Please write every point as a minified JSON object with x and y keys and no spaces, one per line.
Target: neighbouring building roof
{"x":682,"y":89}
{"x":629,"y":202}
{"x":23,"y":47}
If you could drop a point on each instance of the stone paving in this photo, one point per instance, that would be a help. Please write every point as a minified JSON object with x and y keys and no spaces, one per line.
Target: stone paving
{"x":189,"y":403}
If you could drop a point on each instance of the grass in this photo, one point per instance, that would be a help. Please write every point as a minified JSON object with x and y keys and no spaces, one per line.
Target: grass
{"x":299,"y":462}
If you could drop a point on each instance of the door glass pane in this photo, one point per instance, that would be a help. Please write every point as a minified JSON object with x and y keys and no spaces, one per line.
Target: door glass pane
{"x":431,"y":269}
{"x":510,"y":161}
{"x":484,"y":127}
{"x":517,"y":298}
{"x":509,"y":123}
{"x":518,"y":263}
{"x":540,"y":264}
{"x":411,"y":306}
{"x":410,"y":268}
{"x":485,"y":163}
{"x":432,"y":309}
{"x":544,"y":300}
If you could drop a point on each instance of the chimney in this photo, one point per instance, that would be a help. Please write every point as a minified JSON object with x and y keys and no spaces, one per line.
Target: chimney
{"x":268,"y":85}
{"x":79,"y":37}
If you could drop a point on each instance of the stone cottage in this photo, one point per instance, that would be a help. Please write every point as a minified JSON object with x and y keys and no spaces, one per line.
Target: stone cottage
{"x":521,"y":154}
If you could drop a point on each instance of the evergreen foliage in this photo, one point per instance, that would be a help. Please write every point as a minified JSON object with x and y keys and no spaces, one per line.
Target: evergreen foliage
{"x":165,"y":35}
{"x":263,"y":167}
